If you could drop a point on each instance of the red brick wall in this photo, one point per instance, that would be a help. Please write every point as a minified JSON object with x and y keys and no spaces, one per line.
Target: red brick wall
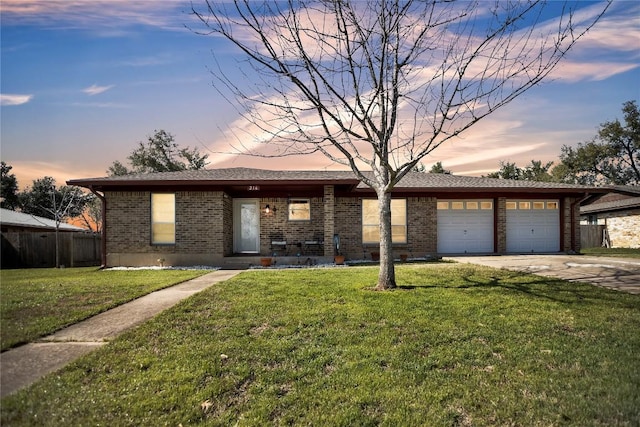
{"x":200,"y":223}
{"x":421,"y":228}
{"x":500,"y":206}
{"x":276,"y":226}
{"x":571,"y":229}
{"x":128,"y":221}
{"x":204,"y":226}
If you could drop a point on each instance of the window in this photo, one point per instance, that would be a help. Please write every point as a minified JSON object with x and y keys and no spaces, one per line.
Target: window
{"x":371,"y":221}
{"x":538,"y":205}
{"x":163,"y":219}
{"x":468,"y":205}
{"x":299,"y":210}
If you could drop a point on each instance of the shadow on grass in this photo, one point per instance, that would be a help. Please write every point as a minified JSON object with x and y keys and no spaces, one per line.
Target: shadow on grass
{"x":552,"y":289}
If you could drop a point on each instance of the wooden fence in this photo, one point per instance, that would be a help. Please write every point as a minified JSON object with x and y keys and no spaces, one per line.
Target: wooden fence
{"x":592,"y":236}
{"x":33,"y":250}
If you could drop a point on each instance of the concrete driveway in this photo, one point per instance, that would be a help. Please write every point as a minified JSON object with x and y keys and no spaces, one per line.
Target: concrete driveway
{"x":621,"y":274}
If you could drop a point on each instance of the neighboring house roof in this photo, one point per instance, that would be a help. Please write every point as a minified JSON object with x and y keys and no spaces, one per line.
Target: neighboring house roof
{"x":621,"y":197}
{"x":616,"y":205}
{"x":19,"y":219}
{"x":415,"y":181}
{"x":632,"y":190}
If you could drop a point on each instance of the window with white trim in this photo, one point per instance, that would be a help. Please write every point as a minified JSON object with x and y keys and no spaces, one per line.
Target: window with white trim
{"x":163,"y":219}
{"x":371,"y":221}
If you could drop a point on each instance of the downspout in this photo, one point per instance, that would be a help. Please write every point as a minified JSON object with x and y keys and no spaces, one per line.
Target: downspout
{"x":103,"y":232}
{"x":573,"y":220}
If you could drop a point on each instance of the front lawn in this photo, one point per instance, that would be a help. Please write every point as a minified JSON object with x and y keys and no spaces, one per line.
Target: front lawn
{"x":456,"y":345}
{"x":612,"y":252}
{"x":37,"y":302}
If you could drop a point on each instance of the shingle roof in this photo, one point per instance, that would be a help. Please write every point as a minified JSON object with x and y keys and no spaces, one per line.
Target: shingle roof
{"x":628,"y":189}
{"x":223,"y":175}
{"x":19,"y":219}
{"x":435,"y":181}
{"x":412,"y":181}
{"x":630,"y":203}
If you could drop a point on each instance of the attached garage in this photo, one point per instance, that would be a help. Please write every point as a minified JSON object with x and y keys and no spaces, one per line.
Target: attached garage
{"x":533,"y":226}
{"x":465,"y":226}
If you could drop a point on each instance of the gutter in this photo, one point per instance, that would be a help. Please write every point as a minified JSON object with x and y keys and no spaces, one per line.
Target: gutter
{"x":103,"y":232}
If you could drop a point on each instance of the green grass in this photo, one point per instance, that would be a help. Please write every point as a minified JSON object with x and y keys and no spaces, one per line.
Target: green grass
{"x":614,"y":252}
{"x":455,"y":345}
{"x":37,"y":302}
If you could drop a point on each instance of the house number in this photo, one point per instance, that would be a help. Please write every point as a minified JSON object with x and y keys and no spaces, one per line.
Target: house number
{"x":254,"y":188}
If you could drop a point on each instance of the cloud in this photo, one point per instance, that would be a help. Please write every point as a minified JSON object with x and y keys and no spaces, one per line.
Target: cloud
{"x":103,"y":17}
{"x":96,"y":90}
{"x":571,"y":71}
{"x":13,"y":99}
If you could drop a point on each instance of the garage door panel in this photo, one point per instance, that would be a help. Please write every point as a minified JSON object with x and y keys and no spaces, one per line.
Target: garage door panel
{"x":533,"y":226}
{"x":466,"y":230}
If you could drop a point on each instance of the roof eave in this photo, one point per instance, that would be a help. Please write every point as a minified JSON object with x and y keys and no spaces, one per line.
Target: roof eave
{"x":101,"y":184}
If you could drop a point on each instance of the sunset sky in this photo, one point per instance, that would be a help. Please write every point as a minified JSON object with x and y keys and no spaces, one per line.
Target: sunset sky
{"x":82,"y":82}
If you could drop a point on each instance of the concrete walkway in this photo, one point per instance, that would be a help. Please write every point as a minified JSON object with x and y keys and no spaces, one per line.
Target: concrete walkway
{"x":24,"y":365}
{"x":621,"y":274}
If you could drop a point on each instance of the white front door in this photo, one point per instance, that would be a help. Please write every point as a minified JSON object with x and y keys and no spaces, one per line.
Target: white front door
{"x":246,"y":226}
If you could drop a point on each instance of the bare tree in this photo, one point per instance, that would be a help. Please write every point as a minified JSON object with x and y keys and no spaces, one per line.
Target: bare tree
{"x":43,"y":199}
{"x":379,"y":85}
{"x":92,"y":214}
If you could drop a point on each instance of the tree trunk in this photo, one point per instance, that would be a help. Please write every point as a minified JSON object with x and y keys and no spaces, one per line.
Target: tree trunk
{"x":387,"y":274}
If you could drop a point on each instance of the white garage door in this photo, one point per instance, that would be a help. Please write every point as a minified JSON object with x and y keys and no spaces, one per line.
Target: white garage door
{"x":533,"y":226}
{"x":465,"y":226}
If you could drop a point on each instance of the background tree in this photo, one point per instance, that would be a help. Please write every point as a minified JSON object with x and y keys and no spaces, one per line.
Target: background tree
{"x":507,"y":170}
{"x":45,"y":200}
{"x":535,"y":171}
{"x":438,"y":168}
{"x":612,"y":157}
{"x":379,"y":85}
{"x":419,"y":168}
{"x":92,"y":214}
{"x":160,"y":154}
{"x":8,"y":188}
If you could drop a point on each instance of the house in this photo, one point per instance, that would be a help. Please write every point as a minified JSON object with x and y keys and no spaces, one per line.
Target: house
{"x":30,"y":241}
{"x":617,"y":212}
{"x":12,"y":221}
{"x":214,"y":217}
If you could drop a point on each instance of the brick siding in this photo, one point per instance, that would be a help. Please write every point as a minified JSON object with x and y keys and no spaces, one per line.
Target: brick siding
{"x":204,"y":226}
{"x":200,"y":220}
{"x":422,"y":230}
{"x":571,"y":228}
{"x":500,"y":206}
{"x":276,"y":226}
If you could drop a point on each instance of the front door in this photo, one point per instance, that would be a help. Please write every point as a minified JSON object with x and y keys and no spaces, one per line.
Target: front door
{"x":246,"y":226}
